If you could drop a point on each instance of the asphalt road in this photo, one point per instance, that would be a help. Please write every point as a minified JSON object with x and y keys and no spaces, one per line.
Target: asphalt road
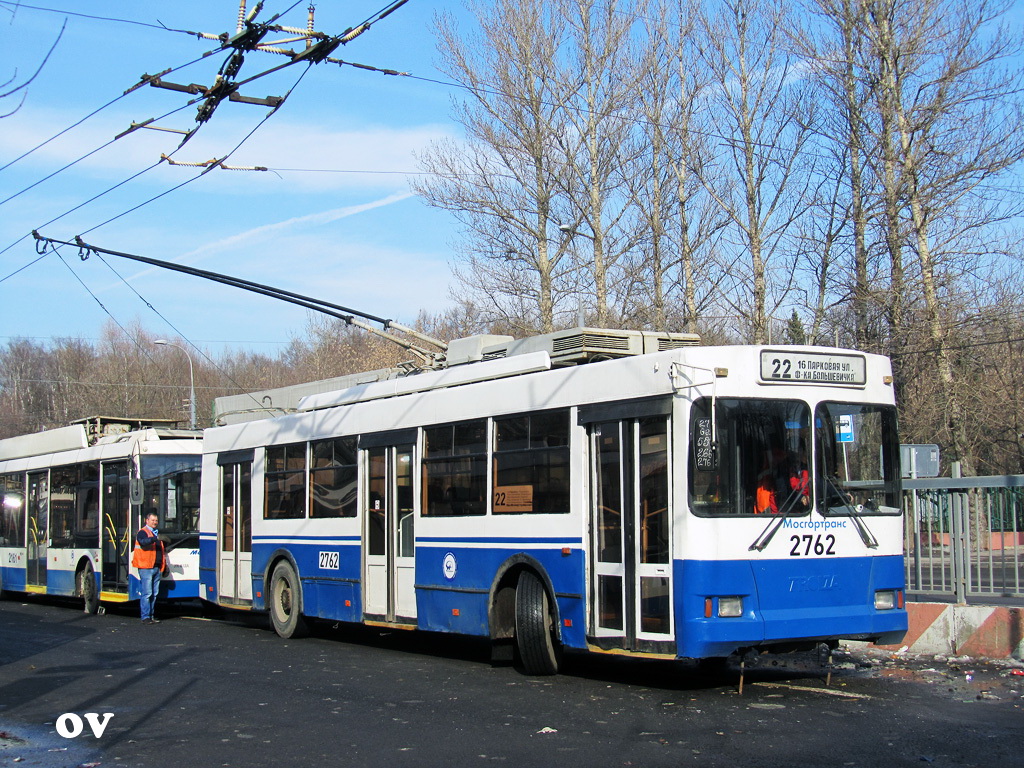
{"x":193,"y":692}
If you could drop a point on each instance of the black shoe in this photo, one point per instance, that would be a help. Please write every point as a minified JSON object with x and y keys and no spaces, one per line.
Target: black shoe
{"x":147,"y":621}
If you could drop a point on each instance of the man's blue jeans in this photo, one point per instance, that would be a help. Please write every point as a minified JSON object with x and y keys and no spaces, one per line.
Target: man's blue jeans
{"x":149,"y":588}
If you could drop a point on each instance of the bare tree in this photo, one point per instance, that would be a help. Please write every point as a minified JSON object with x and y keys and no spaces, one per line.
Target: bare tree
{"x":677,"y":218}
{"x":949,"y":117}
{"x":501,"y":182}
{"x":830,"y":40}
{"x":12,"y":89}
{"x":599,"y":87}
{"x":764,"y":123}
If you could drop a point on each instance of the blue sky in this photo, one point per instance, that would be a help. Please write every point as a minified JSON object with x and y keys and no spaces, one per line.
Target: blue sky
{"x":357,"y":239}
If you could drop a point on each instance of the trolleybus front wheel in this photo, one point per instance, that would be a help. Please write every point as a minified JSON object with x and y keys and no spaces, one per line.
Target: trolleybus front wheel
{"x":535,"y":637}
{"x":286,"y":602}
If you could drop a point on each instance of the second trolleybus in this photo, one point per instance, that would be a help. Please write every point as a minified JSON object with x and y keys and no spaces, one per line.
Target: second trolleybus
{"x":73,"y":498}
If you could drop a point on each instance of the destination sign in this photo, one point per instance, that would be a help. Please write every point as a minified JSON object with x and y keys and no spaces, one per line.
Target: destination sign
{"x":780,"y":366}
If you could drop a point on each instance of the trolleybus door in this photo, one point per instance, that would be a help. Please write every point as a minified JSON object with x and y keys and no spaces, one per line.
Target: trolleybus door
{"x":632,"y":562}
{"x":38,"y":527}
{"x":115,"y":540}
{"x":235,"y":535}
{"x":389,"y":545}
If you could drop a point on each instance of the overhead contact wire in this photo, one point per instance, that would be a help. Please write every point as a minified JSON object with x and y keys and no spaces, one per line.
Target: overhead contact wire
{"x":94,"y":113}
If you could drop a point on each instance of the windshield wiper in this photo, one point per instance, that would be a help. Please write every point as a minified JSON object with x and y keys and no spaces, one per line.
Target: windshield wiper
{"x":858,"y":521}
{"x":772,"y":528}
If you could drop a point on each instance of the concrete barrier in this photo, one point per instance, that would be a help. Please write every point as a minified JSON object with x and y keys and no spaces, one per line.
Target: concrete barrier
{"x":988,"y":631}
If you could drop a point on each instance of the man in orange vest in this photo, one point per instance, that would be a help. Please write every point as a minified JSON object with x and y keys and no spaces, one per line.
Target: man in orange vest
{"x":151,"y":560}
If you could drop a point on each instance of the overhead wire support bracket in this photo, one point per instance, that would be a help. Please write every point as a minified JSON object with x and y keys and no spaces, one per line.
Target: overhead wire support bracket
{"x":266,"y":101}
{"x":318,"y":51}
{"x":146,"y":124}
{"x":248,"y":39}
{"x":192,"y":88}
{"x":213,"y":163}
{"x":148,"y":79}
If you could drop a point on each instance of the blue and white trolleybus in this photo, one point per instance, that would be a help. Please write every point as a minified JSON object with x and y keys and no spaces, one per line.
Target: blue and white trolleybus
{"x":611,"y":491}
{"x":72,"y":499}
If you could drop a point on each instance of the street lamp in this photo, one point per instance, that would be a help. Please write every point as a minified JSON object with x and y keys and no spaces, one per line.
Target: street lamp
{"x":191,"y":380}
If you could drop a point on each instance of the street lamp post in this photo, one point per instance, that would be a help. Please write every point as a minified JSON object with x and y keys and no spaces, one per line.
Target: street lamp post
{"x":191,"y":380}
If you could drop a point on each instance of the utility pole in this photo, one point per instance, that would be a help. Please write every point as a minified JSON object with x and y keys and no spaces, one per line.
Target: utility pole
{"x":191,"y":381}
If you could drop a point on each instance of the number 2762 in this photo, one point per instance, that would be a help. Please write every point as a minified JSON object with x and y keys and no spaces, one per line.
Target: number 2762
{"x":807,"y":545}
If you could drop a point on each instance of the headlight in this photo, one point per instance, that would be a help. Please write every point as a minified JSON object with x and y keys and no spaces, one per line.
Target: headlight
{"x":730,"y":607}
{"x":885,"y":600}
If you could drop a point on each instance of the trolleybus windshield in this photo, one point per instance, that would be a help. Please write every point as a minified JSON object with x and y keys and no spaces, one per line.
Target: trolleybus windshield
{"x":171,"y":490}
{"x":760,"y":458}
{"x":858,"y":454}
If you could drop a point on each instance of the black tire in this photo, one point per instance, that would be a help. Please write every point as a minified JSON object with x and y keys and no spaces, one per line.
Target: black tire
{"x":87,"y":589}
{"x":286,"y":602}
{"x":535,"y":627}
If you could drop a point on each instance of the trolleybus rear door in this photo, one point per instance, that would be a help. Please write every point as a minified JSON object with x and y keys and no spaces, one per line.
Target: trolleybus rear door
{"x":235,"y":536}
{"x":631,"y":594}
{"x":115,"y":541}
{"x":38,"y":528}
{"x":389,"y":546}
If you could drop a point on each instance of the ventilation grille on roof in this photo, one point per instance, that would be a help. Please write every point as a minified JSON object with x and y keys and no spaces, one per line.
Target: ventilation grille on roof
{"x":583,"y":345}
{"x":582,"y":341}
{"x":678,"y":341}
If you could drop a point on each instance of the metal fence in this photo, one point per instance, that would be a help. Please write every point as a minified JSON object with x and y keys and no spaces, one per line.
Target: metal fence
{"x":965,"y":539}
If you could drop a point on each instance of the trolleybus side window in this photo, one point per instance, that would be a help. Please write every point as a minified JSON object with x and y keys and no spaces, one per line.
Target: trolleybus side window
{"x":63,"y":488}
{"x":455,"y":469}
{"x":761,"y":458}
{"x":87,"y":503}
{"x":531,"y":463}
{"x":12,"y":510}
{"x":654,"y":522}
{"x":285,"y":482}
{"x":332,"y":478}
{"x":858,"y":452}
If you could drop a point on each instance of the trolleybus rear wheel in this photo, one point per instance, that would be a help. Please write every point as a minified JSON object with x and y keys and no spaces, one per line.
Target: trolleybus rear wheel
{"x":87,"y":589}
{"x":286,"y":601}
{"x":535,"y":627}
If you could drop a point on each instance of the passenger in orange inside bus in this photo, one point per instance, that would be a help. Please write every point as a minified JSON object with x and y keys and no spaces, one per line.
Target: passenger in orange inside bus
{"x":800,"y":480}
{"x":766,"y":503}
{"x":768,"y":485}
{"x":151,"y":560}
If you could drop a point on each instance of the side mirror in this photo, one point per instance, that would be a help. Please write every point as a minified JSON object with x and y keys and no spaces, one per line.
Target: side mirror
{"x":135,"y":490}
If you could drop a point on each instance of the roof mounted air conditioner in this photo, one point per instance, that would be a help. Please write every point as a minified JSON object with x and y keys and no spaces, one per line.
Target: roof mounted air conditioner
{"x":584,"y":345}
